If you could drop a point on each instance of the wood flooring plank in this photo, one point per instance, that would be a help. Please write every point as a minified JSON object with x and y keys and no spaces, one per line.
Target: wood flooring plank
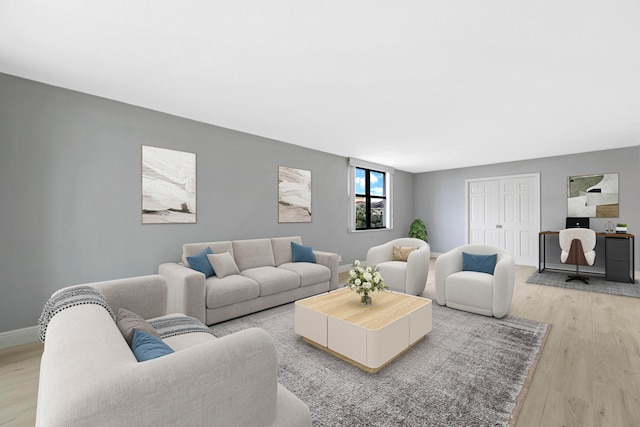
{"x":610,"y":362}
{"x":571,"y":370}
{"x":615,"y":407}
{"x":19,"y":371}
{"x":565,"y":410}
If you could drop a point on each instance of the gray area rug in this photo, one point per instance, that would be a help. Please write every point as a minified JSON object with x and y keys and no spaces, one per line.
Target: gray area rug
{"x":596,"y":283}
{"x":469,"y":370}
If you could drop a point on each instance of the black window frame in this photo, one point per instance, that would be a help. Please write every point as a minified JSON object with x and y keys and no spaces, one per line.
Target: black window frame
{"x":367,"y":197}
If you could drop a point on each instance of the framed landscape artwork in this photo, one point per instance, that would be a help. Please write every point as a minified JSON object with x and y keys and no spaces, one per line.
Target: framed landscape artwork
{"x":294,"y":195}
{"x":168,"y":186}
{"x":593,"y":196}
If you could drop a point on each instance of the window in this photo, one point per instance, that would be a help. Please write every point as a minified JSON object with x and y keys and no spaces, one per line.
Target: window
{"x":370,"y":199}
{"x":370,"y":189}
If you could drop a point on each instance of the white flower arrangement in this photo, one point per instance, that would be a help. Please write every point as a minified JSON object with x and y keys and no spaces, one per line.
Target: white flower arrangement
{"x":365,"y":279}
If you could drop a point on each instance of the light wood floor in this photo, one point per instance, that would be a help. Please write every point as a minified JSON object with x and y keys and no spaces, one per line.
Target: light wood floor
{"x":19,"y":369}
{"x":588,"y":375}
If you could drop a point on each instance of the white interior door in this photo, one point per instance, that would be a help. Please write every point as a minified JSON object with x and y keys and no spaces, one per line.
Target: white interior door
{"x":484,"y":212}
{"x":505,"y":212}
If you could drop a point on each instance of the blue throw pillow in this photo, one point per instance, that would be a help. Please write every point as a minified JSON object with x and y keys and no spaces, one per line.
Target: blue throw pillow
{"x":201,"y":263}
{"x":302,"y":253}
{"x":147,"y":347}
{"x":479,"y":263}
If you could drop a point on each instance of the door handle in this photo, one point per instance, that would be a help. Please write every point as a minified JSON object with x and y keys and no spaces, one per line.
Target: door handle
{"x":499,"y":226}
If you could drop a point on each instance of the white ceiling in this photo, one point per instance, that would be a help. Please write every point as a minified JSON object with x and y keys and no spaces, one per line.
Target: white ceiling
{"x":417,"y":85}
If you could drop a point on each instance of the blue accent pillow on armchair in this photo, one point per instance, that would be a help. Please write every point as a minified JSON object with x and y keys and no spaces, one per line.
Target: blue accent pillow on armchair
{"x":479,"y":263}
{"x":146,"y":347}
{"x":201,"y":263}
{"x":302,"y":253}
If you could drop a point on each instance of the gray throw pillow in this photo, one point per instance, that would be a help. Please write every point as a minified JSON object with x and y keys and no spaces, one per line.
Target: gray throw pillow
{"x":223,"y":264}
{"x":128,"y":321}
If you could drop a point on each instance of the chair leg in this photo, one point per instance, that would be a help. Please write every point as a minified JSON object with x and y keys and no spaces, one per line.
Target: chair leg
{"x":577,"y":276}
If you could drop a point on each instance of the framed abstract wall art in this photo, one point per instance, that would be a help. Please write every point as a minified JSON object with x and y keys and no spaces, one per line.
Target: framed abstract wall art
{"x":593,"y":196}
{"x":294,"y":195}
{"x":168,"y":186}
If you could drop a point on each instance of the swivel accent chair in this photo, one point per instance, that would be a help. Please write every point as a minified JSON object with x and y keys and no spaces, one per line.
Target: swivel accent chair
{"x":403,"y":264}
{"x":577,"y":246}
{"x":465,"y":287}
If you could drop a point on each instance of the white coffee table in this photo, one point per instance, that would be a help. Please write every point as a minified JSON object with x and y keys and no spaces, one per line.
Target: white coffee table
{"x":368,"y":337}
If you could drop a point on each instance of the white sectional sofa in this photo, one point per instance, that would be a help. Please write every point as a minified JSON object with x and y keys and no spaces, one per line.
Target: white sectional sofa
{"x":90,"y":377}
{"x":266,"y":276}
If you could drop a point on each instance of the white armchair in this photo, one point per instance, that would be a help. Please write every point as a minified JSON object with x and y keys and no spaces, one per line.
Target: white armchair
{"x":481,"y":293}
{"x":408,"y":276}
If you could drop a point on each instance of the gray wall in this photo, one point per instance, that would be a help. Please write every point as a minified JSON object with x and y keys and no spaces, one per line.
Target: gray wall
{"x":440,"y":196}
{"x":70,"y":193}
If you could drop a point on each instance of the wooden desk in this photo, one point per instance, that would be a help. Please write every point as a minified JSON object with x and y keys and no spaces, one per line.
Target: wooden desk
{"x":542,"y":237}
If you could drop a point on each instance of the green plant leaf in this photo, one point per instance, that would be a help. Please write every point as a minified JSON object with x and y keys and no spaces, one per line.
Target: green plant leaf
{"x":418,"y":230}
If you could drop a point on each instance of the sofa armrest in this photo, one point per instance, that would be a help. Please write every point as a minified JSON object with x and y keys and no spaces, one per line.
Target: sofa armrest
{"x":446,"y":264}
{"x":228,"y":381}
{"x":291,"y":411}
{"x":146,"y":296}
{"x":330,"y":260}
{"x":503,"y":284}
{"x":379,"y":254}
{"x":187,"y":290}
{"x":418,"y":270}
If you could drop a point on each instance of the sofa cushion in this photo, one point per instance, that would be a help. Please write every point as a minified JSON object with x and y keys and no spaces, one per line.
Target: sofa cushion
{"x":282,"y":249}
{"x":310,"y":274}
{"x":223,"y":264}
{"x":199,"y":262}
{"x":470,"y":289}
{"x":230,"y":290}
{"x":479,"y":263}
{"x":183,"y":341}
{"x":394,"y":275}
{"x":302,"y":253}
{"x":401,"y":253}
{"x":273,"y":280}
{"x":190,"y":249}
{"x":253,"y":253}
{"x":128,"y":321}
{"x":147,"y":347}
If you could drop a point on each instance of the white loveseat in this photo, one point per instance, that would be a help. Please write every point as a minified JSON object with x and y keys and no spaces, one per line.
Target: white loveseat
{"x":266,"y":277}
{"x":90,"y":377}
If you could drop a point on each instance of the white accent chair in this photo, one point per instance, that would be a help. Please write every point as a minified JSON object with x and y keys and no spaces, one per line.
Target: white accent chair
{"x":577,"y":246}
{"x":472,"y":291}
{"x":409,"y":277}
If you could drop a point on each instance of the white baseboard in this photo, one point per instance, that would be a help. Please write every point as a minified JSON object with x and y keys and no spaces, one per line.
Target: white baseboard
{"x":344,"y":268}
{"x":18,"y":337}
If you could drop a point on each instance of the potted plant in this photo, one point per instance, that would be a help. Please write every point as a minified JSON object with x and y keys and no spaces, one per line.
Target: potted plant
{"x":621,"y":228}
{"x":418,"y":230}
